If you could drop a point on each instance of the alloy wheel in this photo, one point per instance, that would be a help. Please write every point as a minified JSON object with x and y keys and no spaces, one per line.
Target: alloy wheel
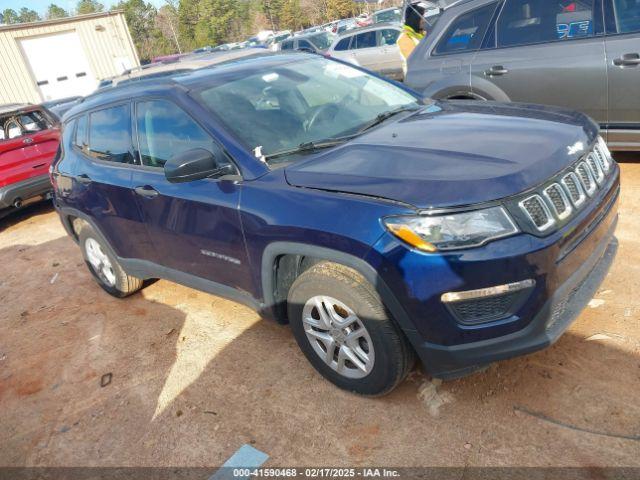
{"x":338,"y":336}
{"x":100,"y":262}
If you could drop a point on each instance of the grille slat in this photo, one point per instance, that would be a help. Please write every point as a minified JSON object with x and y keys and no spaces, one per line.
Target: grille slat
{"x":596,"y":169}
{"x":559,"y":201}
{"x":572,"y":185}
{"x":562,"y":196}
{"x":584,"y":173}
{"x":538,"y":212}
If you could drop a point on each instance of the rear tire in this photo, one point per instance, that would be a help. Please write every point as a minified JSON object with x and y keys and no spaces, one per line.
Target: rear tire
{"x":104,"y":267}
{"x":344,"y":330}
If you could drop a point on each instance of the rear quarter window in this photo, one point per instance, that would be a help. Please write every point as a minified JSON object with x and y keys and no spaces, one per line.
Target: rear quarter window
{"x":467,"y":31}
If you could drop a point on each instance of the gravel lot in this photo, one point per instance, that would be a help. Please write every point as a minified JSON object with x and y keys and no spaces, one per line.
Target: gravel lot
{"x":194,"y":377}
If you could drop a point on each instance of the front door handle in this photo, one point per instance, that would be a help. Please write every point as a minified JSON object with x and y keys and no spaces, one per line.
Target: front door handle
{"x":83,"y":179}
{"x":496,"y":71}
{"x":627,"y":60}
{"x":147,"y":191}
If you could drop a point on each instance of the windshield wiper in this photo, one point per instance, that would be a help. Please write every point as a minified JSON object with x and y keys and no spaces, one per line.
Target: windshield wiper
{"x":384,"y":116}
{"x":332,"y":142}
{"x":310,"y":147}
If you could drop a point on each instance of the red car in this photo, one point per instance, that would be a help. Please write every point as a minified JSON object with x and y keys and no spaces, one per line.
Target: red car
{"x":29,"y":141}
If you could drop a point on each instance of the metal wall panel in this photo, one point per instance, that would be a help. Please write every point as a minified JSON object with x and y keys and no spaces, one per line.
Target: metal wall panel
{"x":105,"y":39}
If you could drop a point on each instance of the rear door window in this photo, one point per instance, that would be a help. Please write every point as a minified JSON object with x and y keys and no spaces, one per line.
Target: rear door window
{"x":467,"y":31}
{"x":343,"y":45}
{"x":110,"y":134}
{"x":288,"y":45}
{"x":527,"y":22}
{"x":365,"y":40}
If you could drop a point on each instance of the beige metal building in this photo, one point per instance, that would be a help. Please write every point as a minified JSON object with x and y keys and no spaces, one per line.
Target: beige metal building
{"x":65,"y":57}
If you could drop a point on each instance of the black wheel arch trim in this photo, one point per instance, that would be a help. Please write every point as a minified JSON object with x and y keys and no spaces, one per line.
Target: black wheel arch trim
{"x":278,"y":249}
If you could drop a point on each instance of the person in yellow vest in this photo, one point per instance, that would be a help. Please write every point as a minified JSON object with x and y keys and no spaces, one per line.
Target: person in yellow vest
{"x":413,"y":31}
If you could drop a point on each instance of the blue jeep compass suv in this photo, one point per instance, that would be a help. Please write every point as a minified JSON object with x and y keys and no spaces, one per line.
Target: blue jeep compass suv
{"x":379,"y":225}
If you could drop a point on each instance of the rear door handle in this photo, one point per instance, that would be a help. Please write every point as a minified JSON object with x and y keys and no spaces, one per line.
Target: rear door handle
{"x":496,"y":71}
{"x":627,"y":60}
{"x":146,"y":191}
{"x":84,"y":179}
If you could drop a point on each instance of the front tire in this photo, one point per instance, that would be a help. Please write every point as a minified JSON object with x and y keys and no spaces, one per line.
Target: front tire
{"x":344,"y":330}
{"x":104,"y":267}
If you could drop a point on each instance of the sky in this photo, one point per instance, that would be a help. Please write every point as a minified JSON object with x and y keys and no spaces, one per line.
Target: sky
{"x":40,"y":6}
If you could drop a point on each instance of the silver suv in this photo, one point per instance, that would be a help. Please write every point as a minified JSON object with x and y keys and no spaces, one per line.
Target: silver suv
{"x":581,"y":54}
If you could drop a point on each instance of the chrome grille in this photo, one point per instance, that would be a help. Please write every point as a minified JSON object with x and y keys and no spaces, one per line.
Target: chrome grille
{"x":573,"y":186}
{"x":538,"y":212}
{"x":596,"y":168}
{"x":565,"y":194}
{"x":589,"y":184}
{"x":559,"y":201}
{"x":602,"y":159}
{"x":604,"y":156}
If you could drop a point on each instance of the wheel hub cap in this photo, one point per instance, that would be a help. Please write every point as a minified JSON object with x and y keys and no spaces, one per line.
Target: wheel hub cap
{"x":338,"y":336}
{"x":100,"y":262}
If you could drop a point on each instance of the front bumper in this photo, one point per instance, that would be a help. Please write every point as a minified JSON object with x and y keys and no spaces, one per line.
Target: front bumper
{"x":557,"y":314}
{"x":26,"y":191}
{"x":567,"y":267}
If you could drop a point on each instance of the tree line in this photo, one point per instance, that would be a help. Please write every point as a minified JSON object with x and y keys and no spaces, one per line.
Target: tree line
{"x":183,"y":25}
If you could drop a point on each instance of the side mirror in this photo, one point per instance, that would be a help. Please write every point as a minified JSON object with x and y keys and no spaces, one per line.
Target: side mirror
{"x":194,"y":165}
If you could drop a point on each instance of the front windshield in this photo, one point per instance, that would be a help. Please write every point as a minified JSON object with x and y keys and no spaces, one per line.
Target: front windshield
{"x":313,"y":99}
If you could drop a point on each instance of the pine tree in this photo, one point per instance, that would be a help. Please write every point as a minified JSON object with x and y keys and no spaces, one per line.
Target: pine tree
{"x":341,"y":8}
{"x":10,"y":16}
{"x":292,"y":16}
{"x":27,"y":15}
{"x":54,"y":11}
{"x":89,"y":6}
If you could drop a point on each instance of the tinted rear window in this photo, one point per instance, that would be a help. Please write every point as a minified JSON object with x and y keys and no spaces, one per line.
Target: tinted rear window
{"x":467,"y":31}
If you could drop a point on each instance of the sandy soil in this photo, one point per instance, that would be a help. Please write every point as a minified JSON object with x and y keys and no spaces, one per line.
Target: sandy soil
{"x":194,"y":377}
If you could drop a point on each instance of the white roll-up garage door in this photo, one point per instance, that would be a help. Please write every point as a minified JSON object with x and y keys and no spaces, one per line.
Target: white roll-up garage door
{"x":59,"y":65}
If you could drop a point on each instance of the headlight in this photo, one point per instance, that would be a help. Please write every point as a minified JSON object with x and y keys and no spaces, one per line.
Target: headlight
{"x":452,"y":231}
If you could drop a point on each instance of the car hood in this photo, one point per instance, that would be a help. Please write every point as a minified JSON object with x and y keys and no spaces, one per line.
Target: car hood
{"x":452,"y":153}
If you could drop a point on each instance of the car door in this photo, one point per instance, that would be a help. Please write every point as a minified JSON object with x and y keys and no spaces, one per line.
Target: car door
{"x":440,"y":66}
{"x":194,"y":226}
{"x":623,"y":65}
{"x":390,"y":58}
{"x":101,"y":181}
{"x":343,"y":49}
{"x":547,"y":52}
{"x":366,"y":52}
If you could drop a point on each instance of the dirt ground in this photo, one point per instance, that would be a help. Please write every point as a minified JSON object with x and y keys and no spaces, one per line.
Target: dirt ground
{"x":194,"y":377}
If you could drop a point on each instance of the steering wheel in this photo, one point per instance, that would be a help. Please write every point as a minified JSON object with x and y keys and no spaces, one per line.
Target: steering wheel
{"x":330,"y":110}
